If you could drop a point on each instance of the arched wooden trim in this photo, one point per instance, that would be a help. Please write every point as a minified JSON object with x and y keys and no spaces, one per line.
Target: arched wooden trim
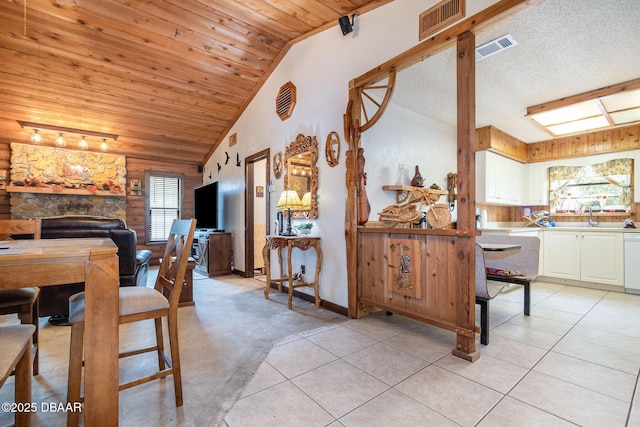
{"x":362,"y":92}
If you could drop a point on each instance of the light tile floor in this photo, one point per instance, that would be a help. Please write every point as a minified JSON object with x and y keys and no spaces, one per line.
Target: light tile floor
{"x":574,"y":361}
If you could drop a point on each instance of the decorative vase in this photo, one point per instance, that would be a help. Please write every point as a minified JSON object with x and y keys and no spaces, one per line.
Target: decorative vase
{"x":418,"y":180}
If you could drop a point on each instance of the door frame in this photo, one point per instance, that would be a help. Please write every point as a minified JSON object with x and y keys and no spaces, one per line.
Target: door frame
{"x":249,"y":220}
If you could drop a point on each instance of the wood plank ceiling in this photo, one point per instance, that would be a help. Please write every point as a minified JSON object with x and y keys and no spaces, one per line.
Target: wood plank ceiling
{"x":170,"y":77}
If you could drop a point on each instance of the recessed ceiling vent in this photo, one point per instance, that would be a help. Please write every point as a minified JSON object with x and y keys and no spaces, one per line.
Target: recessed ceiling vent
{"x":495,"y":46}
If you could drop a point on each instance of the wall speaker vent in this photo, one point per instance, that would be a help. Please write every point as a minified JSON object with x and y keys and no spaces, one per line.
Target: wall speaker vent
{"x":439,"y":16}
{"x":285,"y":101}
{"x":495,"y":46}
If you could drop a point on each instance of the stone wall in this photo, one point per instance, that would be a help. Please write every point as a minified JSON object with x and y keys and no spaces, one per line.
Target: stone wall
{"x":46,"y":181}
{"x":31,"y":205}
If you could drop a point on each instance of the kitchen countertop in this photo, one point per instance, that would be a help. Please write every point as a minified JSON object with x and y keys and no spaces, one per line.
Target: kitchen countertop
{"x":518,"y":228}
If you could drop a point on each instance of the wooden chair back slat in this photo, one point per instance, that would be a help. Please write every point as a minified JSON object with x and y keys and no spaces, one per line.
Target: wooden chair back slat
{"x":10,"y":227}
{"x":175,"y":259}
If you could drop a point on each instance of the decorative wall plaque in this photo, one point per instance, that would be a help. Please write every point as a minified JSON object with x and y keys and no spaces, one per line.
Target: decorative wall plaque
{"x":277,"y":165}
{"x":332,"y":149}
{"x":404,"y":272}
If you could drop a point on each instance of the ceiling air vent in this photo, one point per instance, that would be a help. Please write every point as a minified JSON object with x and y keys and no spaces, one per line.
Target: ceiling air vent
{"x":285,"y":101}
{"x":495,"y":46}
{"x":439,"y":16}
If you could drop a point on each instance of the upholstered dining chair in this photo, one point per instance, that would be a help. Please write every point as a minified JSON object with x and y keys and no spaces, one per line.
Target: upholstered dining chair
{"x":15,"y":357}
{"x":24,"y":301}
{"x":141,"y":303}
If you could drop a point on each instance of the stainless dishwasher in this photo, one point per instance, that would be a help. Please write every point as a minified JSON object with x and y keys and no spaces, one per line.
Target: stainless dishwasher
{"x":632,"y":263}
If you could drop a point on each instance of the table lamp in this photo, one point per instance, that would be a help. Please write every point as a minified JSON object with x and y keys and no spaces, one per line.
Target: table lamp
{"x":289,"y":199}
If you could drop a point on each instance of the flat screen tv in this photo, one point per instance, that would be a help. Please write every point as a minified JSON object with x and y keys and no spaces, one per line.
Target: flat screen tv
{"x":206,"y":206}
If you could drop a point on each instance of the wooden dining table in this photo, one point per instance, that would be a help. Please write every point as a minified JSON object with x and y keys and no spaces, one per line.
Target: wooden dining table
{"x":94,"y":261}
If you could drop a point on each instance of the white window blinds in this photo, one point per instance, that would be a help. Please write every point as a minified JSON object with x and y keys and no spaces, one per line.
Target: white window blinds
{"x":164,"y":205}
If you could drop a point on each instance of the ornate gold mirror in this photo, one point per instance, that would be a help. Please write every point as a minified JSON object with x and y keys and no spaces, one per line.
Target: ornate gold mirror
{"x":301,"y":174}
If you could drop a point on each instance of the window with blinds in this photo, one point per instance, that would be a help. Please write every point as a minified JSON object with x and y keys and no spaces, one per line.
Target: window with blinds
{"x":164,"y":204}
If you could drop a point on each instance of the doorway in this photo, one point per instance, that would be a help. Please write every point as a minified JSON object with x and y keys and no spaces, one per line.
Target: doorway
{"x":257,"y":202}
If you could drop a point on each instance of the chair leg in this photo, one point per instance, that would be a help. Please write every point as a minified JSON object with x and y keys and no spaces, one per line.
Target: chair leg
{"x":23,"y":386}
{"x":29,"y":316}
{"x":172,"y":320}
{"x":35,"y":316}
{"x":75,"y":371}
{"x":159,"y":343}
{"x":484,"y":320}
{"x":527,"y":297}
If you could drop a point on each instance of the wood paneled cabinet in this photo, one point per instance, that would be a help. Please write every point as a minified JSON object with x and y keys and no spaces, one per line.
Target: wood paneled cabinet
{"x":213,"y":254}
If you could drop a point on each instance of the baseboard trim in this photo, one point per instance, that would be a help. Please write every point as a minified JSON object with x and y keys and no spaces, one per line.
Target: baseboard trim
{"x":324,"y":304}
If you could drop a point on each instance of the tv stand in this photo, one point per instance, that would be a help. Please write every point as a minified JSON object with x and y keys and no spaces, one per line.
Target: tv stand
{"x":212,"y":251}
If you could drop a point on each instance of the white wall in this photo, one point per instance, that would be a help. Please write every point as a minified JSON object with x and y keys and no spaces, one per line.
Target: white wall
{"x":404,"y":137}
{"x":321,"y":67}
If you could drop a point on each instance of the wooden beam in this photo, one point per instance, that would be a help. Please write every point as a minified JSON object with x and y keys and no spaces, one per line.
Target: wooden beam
{"x":586,"y":96}
{"x":444,"y":39}
{"x":465,"y":247}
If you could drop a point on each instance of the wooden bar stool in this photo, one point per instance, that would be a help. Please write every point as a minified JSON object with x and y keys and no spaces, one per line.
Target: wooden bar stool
{"x":141,"y":303}
{"x":23,"y":302}
{"x":15,"y":342}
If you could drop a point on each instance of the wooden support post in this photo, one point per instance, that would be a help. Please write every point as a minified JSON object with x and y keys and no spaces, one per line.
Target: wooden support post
{"x":465,"y":251}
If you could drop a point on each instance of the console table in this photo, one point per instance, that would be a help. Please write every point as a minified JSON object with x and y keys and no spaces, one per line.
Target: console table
{"x":301,"y":242}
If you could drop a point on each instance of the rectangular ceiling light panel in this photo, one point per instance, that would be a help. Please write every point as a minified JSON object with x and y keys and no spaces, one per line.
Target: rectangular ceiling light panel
{"x":627,"y":116}
{"x":606,"y":107}
{"x":578,"y":126}
{"x":570,"y":113}
{"x":621,"y":101}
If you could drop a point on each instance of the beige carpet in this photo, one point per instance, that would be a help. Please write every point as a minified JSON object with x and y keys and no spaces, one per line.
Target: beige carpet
{"x":223,"y":340}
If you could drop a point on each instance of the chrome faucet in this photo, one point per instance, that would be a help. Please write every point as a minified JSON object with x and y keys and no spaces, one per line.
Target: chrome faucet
{"x":592,"y":223}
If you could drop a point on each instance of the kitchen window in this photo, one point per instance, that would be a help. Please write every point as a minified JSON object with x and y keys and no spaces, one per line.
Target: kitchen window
{"x":604,"y":188}
{"x":164,"y":203}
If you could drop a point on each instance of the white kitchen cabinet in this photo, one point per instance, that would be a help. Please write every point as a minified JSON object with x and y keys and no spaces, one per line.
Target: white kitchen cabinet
{"x":538,"y":184}
{"x":500,"y":180}
{"x":595,"y":257}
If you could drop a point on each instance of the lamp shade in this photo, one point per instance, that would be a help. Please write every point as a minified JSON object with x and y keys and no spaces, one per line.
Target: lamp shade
{"x":289,"y":199}
{"x":306,"y":201}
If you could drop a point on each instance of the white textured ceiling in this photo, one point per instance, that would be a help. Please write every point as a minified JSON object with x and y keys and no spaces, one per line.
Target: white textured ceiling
{"x":565,"y":48}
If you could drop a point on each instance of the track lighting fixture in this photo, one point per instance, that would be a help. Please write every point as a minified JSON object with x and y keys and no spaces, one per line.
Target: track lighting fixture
{"x":83,"y":143}
{"x":36,"y":138}
{"x":60,"y":141}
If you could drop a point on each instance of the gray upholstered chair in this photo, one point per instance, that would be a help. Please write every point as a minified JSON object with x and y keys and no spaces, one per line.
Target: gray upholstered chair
{"x":142,"y":303}
{"x":485,"y":291}
{"x":23,"y":302}
{"x":524,"y":261}
{"x":15,"y":342}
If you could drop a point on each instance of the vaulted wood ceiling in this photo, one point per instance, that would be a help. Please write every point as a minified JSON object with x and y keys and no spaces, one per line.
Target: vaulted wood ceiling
{"x":169,"y":77}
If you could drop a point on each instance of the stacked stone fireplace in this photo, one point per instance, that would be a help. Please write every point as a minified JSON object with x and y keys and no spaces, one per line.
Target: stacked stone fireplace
{"x":46,"y":181}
